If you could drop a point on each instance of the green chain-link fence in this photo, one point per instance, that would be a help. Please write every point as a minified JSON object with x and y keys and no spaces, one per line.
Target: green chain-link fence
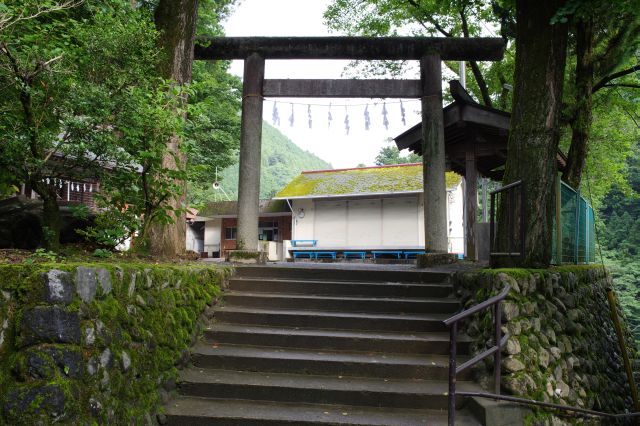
{"x":574,"y":229}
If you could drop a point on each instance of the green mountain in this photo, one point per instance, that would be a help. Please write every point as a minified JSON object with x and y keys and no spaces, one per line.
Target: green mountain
{"x":282,"y":160}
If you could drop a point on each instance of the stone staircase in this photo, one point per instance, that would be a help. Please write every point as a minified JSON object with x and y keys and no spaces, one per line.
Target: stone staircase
{"x":317,"y":346}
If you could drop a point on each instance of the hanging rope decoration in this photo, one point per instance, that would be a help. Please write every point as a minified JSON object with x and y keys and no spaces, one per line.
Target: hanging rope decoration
{"x":385,"y":120}
{"x":291,"y":118}
{"x":346,"y":119}
{"x":275,"y":117}
{"x":73,"y":186}
{"x":367,"y":119}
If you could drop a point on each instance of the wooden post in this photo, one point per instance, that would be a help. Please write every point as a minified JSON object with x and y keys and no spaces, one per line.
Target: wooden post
{"x":471,"y":200}
{"x":558,"y":253}
{"x":435,"y":197}
{"x":250,"y":149}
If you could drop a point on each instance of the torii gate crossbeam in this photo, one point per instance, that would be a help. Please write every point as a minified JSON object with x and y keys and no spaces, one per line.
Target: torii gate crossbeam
{"x":430,"y":51}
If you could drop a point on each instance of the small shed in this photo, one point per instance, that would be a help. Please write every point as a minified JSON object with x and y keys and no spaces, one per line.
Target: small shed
{"x":475,"y":139}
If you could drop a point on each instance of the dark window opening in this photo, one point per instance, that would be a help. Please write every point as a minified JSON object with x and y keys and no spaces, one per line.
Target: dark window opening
{"x":230,"y":233}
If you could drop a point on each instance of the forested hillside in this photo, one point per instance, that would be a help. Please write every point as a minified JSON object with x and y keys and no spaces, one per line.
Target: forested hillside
{"x":282,"y":160}
{"x":620,"y":238}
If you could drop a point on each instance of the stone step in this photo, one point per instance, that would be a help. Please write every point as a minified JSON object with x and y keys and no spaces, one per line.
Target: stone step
{"x":227,"y":412}
{"x":346,"y":288}
{"x":332,"y":320}
{"x":342,"y":390}
{"x":305,"y":361}
{"x":349,"y":340}
{"x":341,"y":303}
{"x":320,"y":272}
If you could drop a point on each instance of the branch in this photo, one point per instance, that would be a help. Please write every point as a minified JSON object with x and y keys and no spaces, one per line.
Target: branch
{"x":477,"y":74}
{"x":6,"y":20}
{"x":629,"y":85}
{"x":604,"y":82}
{"x":431,"y":21}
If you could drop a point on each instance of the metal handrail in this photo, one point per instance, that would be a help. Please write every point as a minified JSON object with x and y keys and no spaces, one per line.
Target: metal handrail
{"x":480,"y":306}
{"x":509,"y":186}
{"x":495,"y":350}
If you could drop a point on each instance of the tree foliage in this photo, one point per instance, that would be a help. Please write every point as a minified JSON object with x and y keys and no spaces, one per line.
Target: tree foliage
{"x":82,"y":98}
{"x":391,"y":155}
{"x":77,"y":85}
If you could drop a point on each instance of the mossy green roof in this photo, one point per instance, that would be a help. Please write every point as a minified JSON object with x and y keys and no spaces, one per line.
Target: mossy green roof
{"x":230,"y":208}
{"x":362,"y":181}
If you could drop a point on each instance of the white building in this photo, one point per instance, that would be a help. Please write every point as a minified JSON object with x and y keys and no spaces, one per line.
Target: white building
{"x":372,"y":208}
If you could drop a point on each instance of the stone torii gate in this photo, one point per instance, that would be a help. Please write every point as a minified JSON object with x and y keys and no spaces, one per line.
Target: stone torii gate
{"x":430,"y":51}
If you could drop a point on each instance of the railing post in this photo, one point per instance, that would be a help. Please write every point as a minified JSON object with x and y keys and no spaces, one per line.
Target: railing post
{"x":523,"y":225}
{"x":576,"y":227}
{"x":492,"y":224}
{"x":453,"y":336}
{"x":497,"y":317}
{"x":512,"y":221}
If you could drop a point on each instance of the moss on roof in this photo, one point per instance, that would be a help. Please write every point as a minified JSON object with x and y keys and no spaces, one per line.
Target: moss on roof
{"x":370,"y":180}
{"x":227,"y":208}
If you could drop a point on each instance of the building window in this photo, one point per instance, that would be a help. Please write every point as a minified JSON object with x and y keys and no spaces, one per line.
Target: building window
{"x":230,"y":233}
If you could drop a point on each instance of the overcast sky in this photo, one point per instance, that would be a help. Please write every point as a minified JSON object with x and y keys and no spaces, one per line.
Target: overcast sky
{"x":332,"y":144}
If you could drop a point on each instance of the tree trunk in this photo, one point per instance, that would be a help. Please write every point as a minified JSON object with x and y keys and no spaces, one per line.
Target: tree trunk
{"x":51,"y":222}
{"x":535,"y":129}
{"x":582,"y":117}
{"x":176,"y":20}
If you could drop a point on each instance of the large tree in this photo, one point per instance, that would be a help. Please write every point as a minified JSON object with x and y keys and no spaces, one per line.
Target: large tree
{"x":607,"y":38}
{"x":534,"y":132}
{"x":176,"y":20}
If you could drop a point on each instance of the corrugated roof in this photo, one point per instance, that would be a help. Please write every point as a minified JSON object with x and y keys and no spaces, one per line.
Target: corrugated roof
{"x":230,"y":208}
{"x":397,"y":178}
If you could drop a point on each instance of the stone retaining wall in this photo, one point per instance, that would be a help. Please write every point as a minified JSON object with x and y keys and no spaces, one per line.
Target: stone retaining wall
{"x":96,"y":344}
{"x":562,"y":346}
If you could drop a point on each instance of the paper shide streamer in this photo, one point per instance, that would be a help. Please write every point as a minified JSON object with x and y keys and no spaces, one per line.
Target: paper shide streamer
{"x":346,"y":119}
{"x":367,"y":119}
{"x":385,"y":120}
{"x":275,"y":117}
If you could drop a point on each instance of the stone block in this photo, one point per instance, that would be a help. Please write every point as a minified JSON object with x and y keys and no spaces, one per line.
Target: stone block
{"x":58,"y":287}
{"x":247,"y":257}
{"x":104,"y":278}
{"x":429,"y":260}
{"x":42,"y":363}
{"x":86,"y":284}
{"x":126,"y":361}
{"x":38,"y":405}
{"x":492,"y":413}
{"x":49,"y":324}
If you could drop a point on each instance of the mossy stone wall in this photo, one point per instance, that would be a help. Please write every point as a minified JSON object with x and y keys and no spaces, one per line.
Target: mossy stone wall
{"x":562,"y":346}
{"x":97,"y":343}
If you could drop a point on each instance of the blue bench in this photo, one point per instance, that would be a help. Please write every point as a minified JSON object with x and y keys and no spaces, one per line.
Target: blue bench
{"x":377,"y":254}
{"x":412,"y":254}
{"x":305,"y":243}
{"x":308,"y":254}
{"x":326,"y":254}
{"x":354,"y":254}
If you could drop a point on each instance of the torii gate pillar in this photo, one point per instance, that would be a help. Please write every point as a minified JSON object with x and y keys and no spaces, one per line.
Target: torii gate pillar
{"x":250,"y":151}
{"x":433,"y":158}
